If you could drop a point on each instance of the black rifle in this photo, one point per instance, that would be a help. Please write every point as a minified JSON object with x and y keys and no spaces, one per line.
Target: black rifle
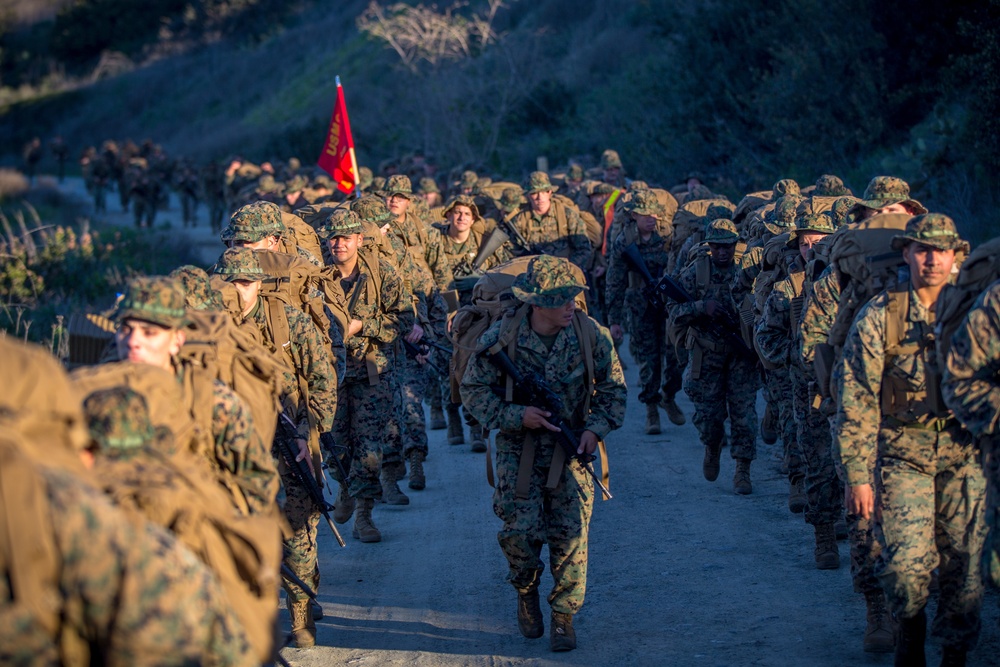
{"x":415,"y":350}
{"x":287,"y":573}
{"x":531,"y":389}
{"x":657,"y":292}
{"x":326,"y":440}
{"x":300,"y":470}
{"x":516,"y":236}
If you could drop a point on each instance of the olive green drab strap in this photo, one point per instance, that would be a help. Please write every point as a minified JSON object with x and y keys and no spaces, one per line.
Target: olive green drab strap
{"x":797,"y":280}
{"x":277,"y":319}
{"x":897,"y":395}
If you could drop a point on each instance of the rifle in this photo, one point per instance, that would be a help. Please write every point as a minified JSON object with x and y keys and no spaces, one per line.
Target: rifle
{"x":326,"y":440}
{"x":512,"y":232}
{"x":657,"y":292}
{"x":300,"y":470}
{"x":489,"y":246}
{"x":531,"y":389}
{"x":423,"y":348}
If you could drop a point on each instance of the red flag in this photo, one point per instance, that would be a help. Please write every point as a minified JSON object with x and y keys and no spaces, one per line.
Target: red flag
{"x":338,"y":158}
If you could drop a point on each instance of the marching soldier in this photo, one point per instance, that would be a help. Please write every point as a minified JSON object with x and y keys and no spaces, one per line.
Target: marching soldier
{"x":551,"y":227}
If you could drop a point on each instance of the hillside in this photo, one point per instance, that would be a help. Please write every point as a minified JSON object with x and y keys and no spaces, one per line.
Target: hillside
{"x":744,"y":91}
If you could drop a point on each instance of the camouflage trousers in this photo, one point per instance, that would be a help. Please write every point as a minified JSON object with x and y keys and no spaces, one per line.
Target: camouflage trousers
{"x":413,"y":384}
{"x":931,"y":493}
{"x":824,"y":492}
{"x":559,"y":517}
{"x":674,"y":362}
{"x":300,"y":549}
{"x":647,"y":344}
{"x":779,"y":383}
{"x":991,"y":469}
{"x":358,"y":430}
{"x":724,"y":386}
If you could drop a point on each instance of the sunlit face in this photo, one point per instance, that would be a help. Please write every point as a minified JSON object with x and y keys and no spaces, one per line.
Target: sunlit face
{"x":460,"y":218}
{"x":143,"y":342}
{"x":266,"y":243}
{"x":248,"y":290}
{"x":807,"y":240}
{"x":398,"y":204}
{"x":553,"y":318}
{"x":929,"y":266}
{"x":722,"y":253}
{"x":344,"y":249}
{"x":646,"y":224}
{"x":540,"y":201}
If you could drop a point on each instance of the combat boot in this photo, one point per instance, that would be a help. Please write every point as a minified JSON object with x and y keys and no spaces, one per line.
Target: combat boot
{"x":417,"y":479}
{"x":741,"y":479}
{"x":563,"y":637}
{"x":826,"y":553}
{"x":674,"y":413}
{"x":437,"y":418}
{"x":364,"y":527}
{"x":911,"y":637}
{"x":479,"y":435}
{"x":710,"y":466}
{"x":797,"y":500}
{"x":456,"y":436}
{"x":769,"y":425}
{"x":391,"y":492}
{"x":303,"y":625}
{"x":840,"y":528}
{"x":529,"y":615}
{"x":344,"y":507}
{"x":878,"y":624}
{"x":652,"y":419}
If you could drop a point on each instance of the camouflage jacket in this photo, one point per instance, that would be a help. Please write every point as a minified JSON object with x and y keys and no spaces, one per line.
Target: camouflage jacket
{"x":818,"y":315}
{"x":750,"y":266}
{"x":380,"y":313}
{"x":564,"y":371}
{"x":776,"y":335}
{"x":308,"y":357}
{"x":424,"y":242}
{"x":624,"y":286}
{"x":719,"y":288}
{"x":543,"y":233}
{"x":461,"y":256}
{"x":864,"y":368}
{"x":970,"y":385}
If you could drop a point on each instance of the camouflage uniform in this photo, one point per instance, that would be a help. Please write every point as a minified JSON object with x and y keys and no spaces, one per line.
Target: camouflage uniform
{"x":722,"y":382}
{"x":544,"y":233}
{"x":628,"y":307}
{"x":533,"y":512}
{"x":367,"y":386}
{"x":236,"y":452}
{"x":310,"y":365}
{"x":928,"y":483}
{"x":423,"y":241}
{"x":971,"y":390}
{"x":460,"y":255}
{"x":255,"y":222}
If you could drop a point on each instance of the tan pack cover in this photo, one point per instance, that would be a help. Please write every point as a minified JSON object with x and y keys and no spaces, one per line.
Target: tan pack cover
{"x":300,"y":235}
{"x":299,"y":281}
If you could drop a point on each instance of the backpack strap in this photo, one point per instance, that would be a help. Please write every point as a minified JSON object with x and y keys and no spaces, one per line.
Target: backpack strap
{"x":277,"y":319}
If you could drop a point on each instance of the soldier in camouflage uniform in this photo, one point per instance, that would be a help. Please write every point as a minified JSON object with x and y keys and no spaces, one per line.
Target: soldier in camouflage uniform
{"x":551,"y":227}
{"x":970,"y":388}
{"x":422,"y":241}
{"x":367,"y":388}
{"x":629,"y":308}
{"x":721,"y":380}
{"x":886,"y":194}
{"x":151,"y":319}
{"x":777,"y":338}
{"x":258,"y":226}
{"x":311,"y":408}
{"x":461,"y":243}
{"x":929,"y":485}
{"x":535,"y":511}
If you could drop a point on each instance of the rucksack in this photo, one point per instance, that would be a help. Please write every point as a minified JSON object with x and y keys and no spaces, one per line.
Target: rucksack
{"x":491,"y":298}
{"x":300,"y":235}
{"x":296,"y":282}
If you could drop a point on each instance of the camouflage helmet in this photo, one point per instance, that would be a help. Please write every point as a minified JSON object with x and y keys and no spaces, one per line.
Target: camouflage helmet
{"x":118,"y":421}
{"x":721,"y":231}
{"x":885,"y":191}
{"x":716,"y":211}
{"x":510,"y":200}
{"x":841,"y":209}
{"x":482,"y":183}
{"x":365,"y":177}
{"x":931,"y":229}
{"x":700,"y":192}
{"x":342,"y":222}
{"x":538,"y":181}
{"x":468,"y":180}
{"x":786,"y":186}
{"x":371,"y":209}
{"x":294,"y":164}
{"x":267,"y":184}
{"x":548,"y":282}
{"x":156,"y":299}
{"x":816,"y":223}
{"x":427,"y":186}
{"x":322,"y":181}
{"x":462,"y":200}
{"x":829,"y":185}
{"x":378,"y":184}
{"x":197,"y":287}
{"x":637,"y":185}
{"x":399,"y":184}
{"x":595,"y":188}
{"x":295,"y":184}
{"x":785,"y":211}
{"x":240,"y":264}
{"x":574,"y":173}
{"x":254,"y":222}
{"x":610,"y":160}
{"x":644,"y":202}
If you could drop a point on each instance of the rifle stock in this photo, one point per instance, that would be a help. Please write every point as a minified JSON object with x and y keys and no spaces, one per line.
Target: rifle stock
{"x":490,"y":245}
